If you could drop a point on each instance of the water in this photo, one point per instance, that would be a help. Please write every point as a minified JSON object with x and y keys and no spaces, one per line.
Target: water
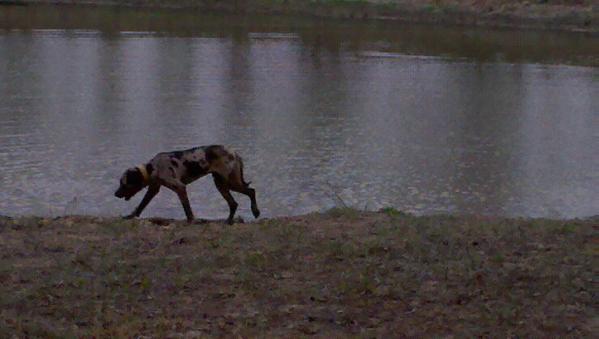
{"x":424,"y":119}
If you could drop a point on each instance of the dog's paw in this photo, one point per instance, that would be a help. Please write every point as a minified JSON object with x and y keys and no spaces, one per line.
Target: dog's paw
{"x":236,"y":220}
{"x":256,"y":212}
{"x":130,"y":216}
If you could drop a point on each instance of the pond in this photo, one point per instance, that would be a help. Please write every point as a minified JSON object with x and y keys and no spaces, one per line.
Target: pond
{"x":365,"y":114}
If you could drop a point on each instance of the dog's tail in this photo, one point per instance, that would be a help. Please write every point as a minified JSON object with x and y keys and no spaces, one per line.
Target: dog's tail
{"x":246,"y":184}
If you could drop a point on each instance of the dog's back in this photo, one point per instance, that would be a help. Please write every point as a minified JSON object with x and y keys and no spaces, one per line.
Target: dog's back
{"x":193,"y":163}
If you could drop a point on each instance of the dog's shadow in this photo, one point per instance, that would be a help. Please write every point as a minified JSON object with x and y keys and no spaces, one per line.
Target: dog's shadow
{"x":200,"y":221}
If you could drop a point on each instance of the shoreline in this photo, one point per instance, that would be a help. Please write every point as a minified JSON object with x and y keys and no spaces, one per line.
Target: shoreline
{"x":239,"y":220}
{"x":490,"y":14}
{"x":334,"y":274}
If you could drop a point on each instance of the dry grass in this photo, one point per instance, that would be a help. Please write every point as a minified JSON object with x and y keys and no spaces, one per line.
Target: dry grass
{"x":335,"y":274}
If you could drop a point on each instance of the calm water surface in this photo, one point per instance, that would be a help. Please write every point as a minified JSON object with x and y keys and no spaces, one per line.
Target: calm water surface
{"x":424,"y":119}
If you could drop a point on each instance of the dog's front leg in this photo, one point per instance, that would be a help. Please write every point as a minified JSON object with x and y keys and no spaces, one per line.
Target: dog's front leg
{"x":179,"y":188}
{"x":182,"y":193}
{"x":150,"y":194}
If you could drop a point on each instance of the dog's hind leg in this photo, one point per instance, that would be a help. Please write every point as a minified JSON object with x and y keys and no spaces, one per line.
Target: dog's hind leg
{"x":238,"y":184}
{"x":150,"y":194}
{"x":223,"y":188}
{"x":250,"y":192}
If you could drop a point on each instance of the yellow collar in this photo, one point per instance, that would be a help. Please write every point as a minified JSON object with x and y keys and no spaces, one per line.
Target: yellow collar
{"x":144,"y":173}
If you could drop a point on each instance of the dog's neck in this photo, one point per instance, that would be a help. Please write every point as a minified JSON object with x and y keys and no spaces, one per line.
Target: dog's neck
{"x":144,"y":173}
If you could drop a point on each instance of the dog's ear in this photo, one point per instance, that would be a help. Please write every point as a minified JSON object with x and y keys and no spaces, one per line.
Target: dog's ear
{"x":134,"y":177}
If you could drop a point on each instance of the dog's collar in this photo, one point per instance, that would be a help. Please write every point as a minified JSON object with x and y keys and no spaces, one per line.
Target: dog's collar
{"x":144,"y":173}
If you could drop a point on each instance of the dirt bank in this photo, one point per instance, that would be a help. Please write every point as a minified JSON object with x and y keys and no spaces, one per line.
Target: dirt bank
{"x":568,"y":15}
{"x":335,"y":274}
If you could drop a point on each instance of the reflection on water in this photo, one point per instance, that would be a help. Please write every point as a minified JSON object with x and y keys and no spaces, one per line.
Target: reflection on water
{"x":318,"y":116}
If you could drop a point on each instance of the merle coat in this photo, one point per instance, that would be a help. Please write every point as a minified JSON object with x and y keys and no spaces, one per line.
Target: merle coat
{"x":175,"y":170}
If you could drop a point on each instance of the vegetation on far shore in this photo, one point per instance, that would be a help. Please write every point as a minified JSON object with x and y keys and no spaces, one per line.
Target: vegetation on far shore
{"x":570,"y":15}
{"x":339,"y":273}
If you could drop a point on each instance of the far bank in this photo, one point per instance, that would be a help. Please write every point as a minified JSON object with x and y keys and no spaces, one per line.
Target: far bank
{"x":564,"y":15}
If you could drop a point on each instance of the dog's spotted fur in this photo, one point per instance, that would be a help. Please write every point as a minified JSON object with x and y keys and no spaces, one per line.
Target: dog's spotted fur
{"x":175,"y":170}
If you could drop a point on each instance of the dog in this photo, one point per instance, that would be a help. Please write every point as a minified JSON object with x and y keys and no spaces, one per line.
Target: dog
{"x":175,"y":170}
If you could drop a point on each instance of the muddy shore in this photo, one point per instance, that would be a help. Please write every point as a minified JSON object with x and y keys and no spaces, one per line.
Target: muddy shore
{"x":564,"y":15}
{"x":334,"y":274}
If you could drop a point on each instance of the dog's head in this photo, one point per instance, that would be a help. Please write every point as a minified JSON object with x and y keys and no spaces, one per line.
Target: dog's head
{"x":132,"y":181}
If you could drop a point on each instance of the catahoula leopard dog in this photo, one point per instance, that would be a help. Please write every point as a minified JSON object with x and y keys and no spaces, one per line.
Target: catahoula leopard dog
{"x":175,"y":170}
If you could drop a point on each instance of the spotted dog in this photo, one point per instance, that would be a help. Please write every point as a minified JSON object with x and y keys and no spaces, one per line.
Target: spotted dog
{"x":175,"y":170}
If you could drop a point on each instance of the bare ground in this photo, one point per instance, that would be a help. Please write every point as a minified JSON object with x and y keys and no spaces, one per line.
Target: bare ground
{"x":341,"y":273}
